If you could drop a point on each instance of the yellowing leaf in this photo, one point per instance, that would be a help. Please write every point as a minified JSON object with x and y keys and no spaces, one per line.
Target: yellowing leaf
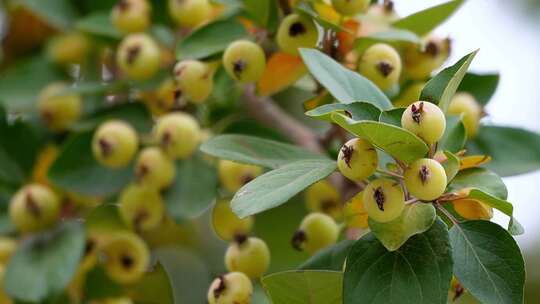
{"x":347,"y":38}
{"x":319,"y":100}
{"x":472,"y":161}
{"x":282,"y":70}
{"x":327,"y":12}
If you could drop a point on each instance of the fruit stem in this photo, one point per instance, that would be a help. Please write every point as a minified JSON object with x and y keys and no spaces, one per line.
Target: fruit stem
{"x":390,"y":173}
{"x":446,"y":213}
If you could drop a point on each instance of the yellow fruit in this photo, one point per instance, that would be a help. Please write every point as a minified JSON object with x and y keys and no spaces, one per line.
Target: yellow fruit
{"x":472,"y":209}
{"x":357,"y":159}
{"x":249,"y":255}
{"x":316,"y":231}
{"x":138,"y":56}
{"x":127,"y":257}
{"x":425,"y":120}
{"x":234,"y":175}
{"x":33,"y":208}
{"x":384,"y":200}
{"x":232,"y":288}
{"x":164,"y":99}
{"x":384,"y":13}
{"x":354,"y":213}
{"x":7,"y":248}
{"x":154,"y":169}
{"x":296,"y":32}
{"x":226,"y":224}
{"x":57,"y":109}
{"x":68,"y":48}
{"x":425,"y":179}
{"x":381,"y":64}
{"x":178,"y":134}
{"x":195,"y":80}
{"x":465,"y":104}
{"x":420,"y":62}
{"x":324,"y":197}
{"x":114,"y":144}
{"x":131,"y":16}
{"x":244,"y":61}
{"x":409,"y":95}
{"x":142,"y":208}
{"x":350,"y":7}
{"x":189,"y":13}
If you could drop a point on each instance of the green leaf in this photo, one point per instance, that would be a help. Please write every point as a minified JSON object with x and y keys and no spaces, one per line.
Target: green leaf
{"x":481,"y":86}
{"x":305,"y":9}
{"x":301,"y":287}
{"x":454,"y":136}
{"x":415,"y":219}
{"x":345,"y":85}
{"x":98,"y":24}
{"x":210,"y":39}
{"x":358,"y":111}
{"x":256,"y":151}
{"x":263,"y":12}
{"x":441,"y":88}
{"x":44,"y":264}
{"x":58,"y":13}
{"x":451,"y":165}
{"x":392,"y":36}
{"x":393,"y":140}
{"x":154,"y":288}
{"x":76,"y":170}
{"x":105,"y":218}
{"x":193,"y":190}
{"x":481,"y":179}
{"x":425,"y":21}
{"x":330,"y":258}
{"x":278,"y":186}
{"x":253,"y":128}
{"x":488,"y":262}
{"x":134,"y":114}
{"x":392,"y":117}
{"x":514,"y":151}
{"x":417,"y":273}
{"x":98,"y":285}
{"x":502,"y":205}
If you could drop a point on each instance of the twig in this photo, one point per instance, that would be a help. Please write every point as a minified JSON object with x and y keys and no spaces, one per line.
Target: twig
{"x":446,"y":213}
{"x":285,"y":6}
{"x":389,"y":173}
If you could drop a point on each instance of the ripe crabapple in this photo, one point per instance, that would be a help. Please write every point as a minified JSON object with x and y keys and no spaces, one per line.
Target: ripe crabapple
{"x":59,"y":110}
{"x":357,"y":159}
{"x":126,"y":257}
{"x":324,"y":197}
{"x":425,"y":179}
{"x":465,"y":104}
{"x":138,"y":56}
{"x":189,"y":13}
{"x":425,"y":120}
{"x":68,"y":48}
{"x":384,"y":200}
{"x":131,"y":16}
{"x":178,"y":134}
{"x":354,"y":212}
{"x":34,"y":208}
{"x":244,"y":61}
{"x":195,"y":80}
{"x":316,"y":231}
{"x":114,"y":144}
{"x":420,"y":62}
{"x":154,"y":169}
{"x":233,"y":175}
{"x":295,"y":32}
{"x":249,"y":255}
{"x":141,"y":208}
{"x":350,"y":7}
{"x":227,"y":224}
{"x":231,"y":288}
{"x":381,"y":64}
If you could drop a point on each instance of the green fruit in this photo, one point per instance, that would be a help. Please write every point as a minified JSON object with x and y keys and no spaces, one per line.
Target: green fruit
{"x":153,"y":169}
{"x":34,"y":208}
{"x":7,"y":248}
{"x":296,"y":32}
{"x":226,"y":224}
{"x":126,"y":257}
{"x":249,"y":255}
{"x":232,"y":288}
{"x":420,"y":62}
{"x":350,"y":7}
{"x":178,"y":134}
{"x":357,"y":159}
{"x":138,"y":56}
{"x":244,"y":61}
{"x":384,"y":200}
{"x":425,"y":179}
{"x":464,"y":104}
{"x":142,"y":208}
{"x":68,"y":48}
{"x":131,"y":16}
{"x":425,"y":120}
{"x":381,"y":64}
{"x":57,"y":109}
{"x":324,"y":197}
{"x":316,"y":231}
{"x":114,"y":144}
{"x":189,"y":13}
{"x":195,"y":80}
{"x":234,"y":175}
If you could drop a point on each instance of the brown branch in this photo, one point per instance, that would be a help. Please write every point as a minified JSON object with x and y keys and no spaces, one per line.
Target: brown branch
{"x":285,"y":6}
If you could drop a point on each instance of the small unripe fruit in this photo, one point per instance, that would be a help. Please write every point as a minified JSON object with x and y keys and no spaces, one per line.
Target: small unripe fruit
{"x":384,"y":13}
{"x":189,"y":13}
{"x":381,"y":64}
{"x":324,"y":197}
{"x":296,"y":32}
{"x":114,"y":144}
{"x":357,"y":159}
{"x":244,"y":61}
{"x":409,"y":95}
{"x":464,"y":103}
{"x":226,"y":224}
{"x":127,"y":257}
{"x":178,"y":134}
{"x":350,"y":7}
{"x":138,"y":56}
{"x":472,"y":209}
{"x":232,"y":288}
{"x":195,"y":79}
{"x":7,"y":248}
{"x":131,"y":16}
{"x":34,"y":208}
{"x":153,"y":169}
{"x":425,"y":179}
{"x":142,"y":208}
{"x":419,"y":63}
{"x":354,"y":212}
{"x":164,"y":99}
{"x":234,"y":175}
{"x":249,"y":255}
{"x":316,"y":231}
{"x":425,"y":120}
{"x":59,"y":110}
{"x":384,"y":200}
{"x":69,"y":48}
